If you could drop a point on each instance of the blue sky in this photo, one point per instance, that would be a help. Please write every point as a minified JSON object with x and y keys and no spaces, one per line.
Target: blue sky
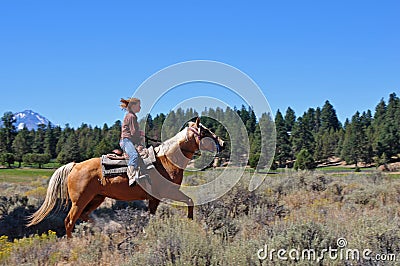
{"x":71,"y":61}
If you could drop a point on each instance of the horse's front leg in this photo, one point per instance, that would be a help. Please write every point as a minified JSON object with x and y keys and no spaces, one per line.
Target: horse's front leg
{"x":189,"y":202}
{"x":153,"y":205}
{"x":92,"y":205}
{"x":190,"y":211}
{"x":177,"y":195}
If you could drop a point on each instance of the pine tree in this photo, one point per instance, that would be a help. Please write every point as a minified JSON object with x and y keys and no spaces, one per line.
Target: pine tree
{"x":63,"y":138}
{"x":282,"y":153}
{"x":255,"y":147}
{"x":50,"y":141}
{"x":170,"y":126}
{"x":340,"y":136}
{"x":304,"y":161}
{"x":355,"y":145}
{"x":244,"y":114}
{"x":251,"y":122}
{"x":155,"y":132}
{"x":302,"y":135}
{"x":21,"y":145}
{"x":326,"y":144}
{"x":38,"y":141}
{"x":148,"y":128}
{"x":114,"y":135}
{"x":391,"y":127}
{"x":104,"y":131}
{"x":366,"y":123}
{"x":84,"y":139}
{"x":377,"y":128}
{"x":70,"y":150}
{"x":290,"y":119}
{"x":319,"y":147}
{"x":311,"y":121}
{"x":317,"y":120}
{"x":103,"y":147}
{"x":7,"y":158}
{"x":329,"y":118}
{"x":7,"y":132}
{"x":268,"y":137}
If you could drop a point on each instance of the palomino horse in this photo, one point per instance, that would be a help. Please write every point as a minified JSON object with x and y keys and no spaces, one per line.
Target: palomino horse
{"x":81,"y":182}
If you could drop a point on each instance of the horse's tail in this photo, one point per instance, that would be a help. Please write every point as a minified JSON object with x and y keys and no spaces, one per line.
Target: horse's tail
{"x":57,"y":187}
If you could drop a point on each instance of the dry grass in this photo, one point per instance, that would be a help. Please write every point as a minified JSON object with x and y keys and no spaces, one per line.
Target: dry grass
{"x":301,"y":210}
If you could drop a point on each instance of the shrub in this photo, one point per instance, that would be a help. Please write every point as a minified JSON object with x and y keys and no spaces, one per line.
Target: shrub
{"x":7,"y":204}
{"x":300,"y":210}
{"x":36,"y":158}
{"x":14,"y":212}
{"x":253,"y":160}
{"x":205,"y":160}
{"x":7,"y":158}
{"x":38,"y":249}
{"x":176,"y":241}
{"x":304,"y":161}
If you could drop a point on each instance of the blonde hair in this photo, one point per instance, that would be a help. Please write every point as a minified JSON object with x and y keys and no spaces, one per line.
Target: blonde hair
{"x":126,"y":103}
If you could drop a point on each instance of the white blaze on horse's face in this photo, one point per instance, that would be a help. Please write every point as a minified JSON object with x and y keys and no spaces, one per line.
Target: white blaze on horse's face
{"x":221,"y":142}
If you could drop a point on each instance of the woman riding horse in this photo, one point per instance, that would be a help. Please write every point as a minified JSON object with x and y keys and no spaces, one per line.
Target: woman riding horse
{"x":131,"y":137}
{"x":81,"y":182}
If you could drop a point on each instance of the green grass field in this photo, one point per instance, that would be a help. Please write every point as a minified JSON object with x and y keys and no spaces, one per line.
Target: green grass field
{"x":18,"y":175}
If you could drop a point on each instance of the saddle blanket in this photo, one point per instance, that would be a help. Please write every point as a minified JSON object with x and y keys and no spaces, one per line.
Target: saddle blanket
{"x":113,"y":165}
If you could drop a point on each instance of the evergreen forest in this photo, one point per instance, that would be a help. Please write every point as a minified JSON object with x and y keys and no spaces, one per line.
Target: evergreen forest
{"x":303,"y":141}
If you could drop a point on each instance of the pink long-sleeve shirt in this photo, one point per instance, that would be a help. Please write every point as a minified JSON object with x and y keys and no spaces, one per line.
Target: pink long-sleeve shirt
{"x":130,"y":128}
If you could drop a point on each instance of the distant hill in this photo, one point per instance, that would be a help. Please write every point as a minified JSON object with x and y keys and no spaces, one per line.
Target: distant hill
{"x":30,"y":120}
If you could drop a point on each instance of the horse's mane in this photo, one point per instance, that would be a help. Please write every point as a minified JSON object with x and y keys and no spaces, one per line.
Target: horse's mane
{"x":170,"y":146}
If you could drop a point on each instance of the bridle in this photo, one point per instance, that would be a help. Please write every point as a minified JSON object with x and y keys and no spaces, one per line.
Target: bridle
{"x":198,"y":136}
{"x":196,"y":133}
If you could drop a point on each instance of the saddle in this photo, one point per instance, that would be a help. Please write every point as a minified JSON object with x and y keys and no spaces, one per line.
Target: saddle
{"x":116,"y":163}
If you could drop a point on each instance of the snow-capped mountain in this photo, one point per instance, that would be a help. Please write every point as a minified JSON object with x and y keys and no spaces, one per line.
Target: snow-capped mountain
{"x":29,"y":119}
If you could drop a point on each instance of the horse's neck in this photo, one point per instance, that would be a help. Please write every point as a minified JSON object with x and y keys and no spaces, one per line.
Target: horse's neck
{"x":172,"y":145}
{"x":171,"y":149}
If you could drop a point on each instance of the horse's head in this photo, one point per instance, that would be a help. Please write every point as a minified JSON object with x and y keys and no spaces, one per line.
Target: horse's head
{"x":206,"y":139}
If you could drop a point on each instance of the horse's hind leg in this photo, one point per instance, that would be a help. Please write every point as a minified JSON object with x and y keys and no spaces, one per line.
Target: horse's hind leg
{"x":74,"y":213}
{"x":94,"y":204}
{"x":71,"y":218}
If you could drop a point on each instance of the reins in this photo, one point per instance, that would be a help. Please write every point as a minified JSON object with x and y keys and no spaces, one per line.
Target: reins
{"x":153,"y":140}
{"x":196,"y":132}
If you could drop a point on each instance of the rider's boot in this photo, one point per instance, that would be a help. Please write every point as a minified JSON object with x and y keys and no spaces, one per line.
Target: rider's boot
{"x":132,"y":175}
{"x":135,"y":176}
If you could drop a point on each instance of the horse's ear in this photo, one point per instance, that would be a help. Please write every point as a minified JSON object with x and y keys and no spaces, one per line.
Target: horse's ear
{"x":197,"y":122}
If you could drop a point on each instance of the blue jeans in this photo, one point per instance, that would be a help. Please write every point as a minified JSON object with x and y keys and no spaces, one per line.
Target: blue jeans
{"x":128,"y":147}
